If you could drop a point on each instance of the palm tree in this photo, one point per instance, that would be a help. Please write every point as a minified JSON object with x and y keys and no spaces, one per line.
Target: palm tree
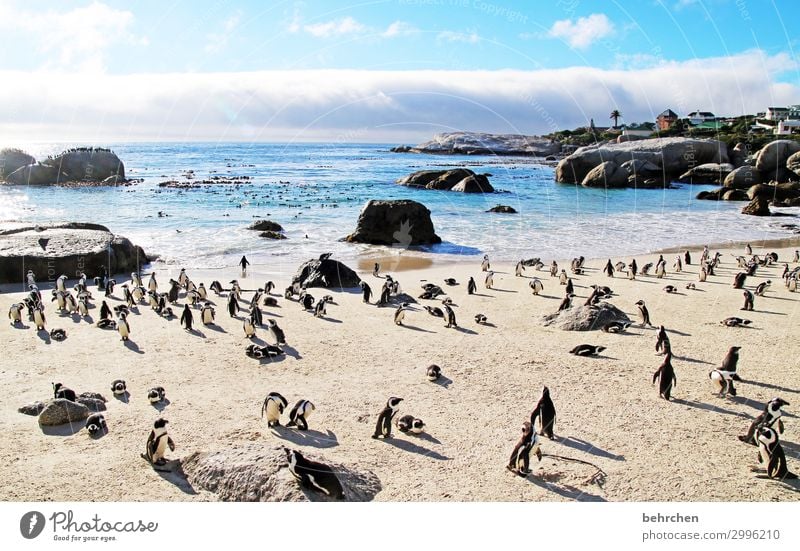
{"x":615,"y":114}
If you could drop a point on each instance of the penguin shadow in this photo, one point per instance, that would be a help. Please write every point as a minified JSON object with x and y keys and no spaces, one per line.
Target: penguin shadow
{"x":681,"y":333}
{"x":708,"y":407}
{"x":330,"y":320}
{"x":427,"y":437}
{"x":771,"y":386}
{"x":310,"y":437}
{"x":465,"y":330}
{"x":20,"y":326}
{"x":272,"y":315}
{"x":272,"y":359}
{"x":791,"y":449}
{"x":44,"y":335}
{"x":75,"y":317}
{"x":487,"y":324}
{"x":291,"y":351}
{"x":773,"y":297}
{"x":692,"y":360}
{"x":67,"y":429}
{"x":564,"y":490}
{"x":411,"y":447}
{"x":124,"y":398}
{"x":482,"y":295}
{"x":162,"y":405}
{"x":173,"y":473}
{"x":788,"y":483}
{"x":443,"y":381}
{"x":99,"y":434}
{"x":196,"y":333}
{"x":768,"y":312}
{"x":756,"y":404}
{"x":587,"y":447}
{"x":415,"y":328}
{"x":133,"y":347}
{"x":216,"y":328}
{"x":504,"y":290}
{"x":88,"y":319}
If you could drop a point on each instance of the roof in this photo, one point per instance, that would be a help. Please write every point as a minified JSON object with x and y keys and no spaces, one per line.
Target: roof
{"x":668,"y":114}
{"x":777,"y":108}
{"x":709,"y":125}
{"x":701,"y":114}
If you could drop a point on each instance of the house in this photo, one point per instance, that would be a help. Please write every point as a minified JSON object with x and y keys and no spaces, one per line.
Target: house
{"x":786,"y":128}
{"x":665,"y":119}
{"x":777,"y":113}
{"x":699,"y":117}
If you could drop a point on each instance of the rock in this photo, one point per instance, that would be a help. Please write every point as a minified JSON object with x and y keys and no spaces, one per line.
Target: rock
{"x":35,"y":175}
{"x":791,"y":202}
{"x":477,"y":183}
{"x":708,"y":173}
{"x":760,"y":190}
{"x":74,"y":165}
{"x":793,"y":163}
{"x":54,"y":249}
{"x":505,"y":209}
{"x":742,"y":178}
{"x":394,"y":222}
{"x":254,"y":472}
{"x":586,"y":318}
{"x":61,"y":411}
{"x":640,"y":167}
{"x":272,"y":235}
{"x":335,"y":274}
{"x":737,"y":154}
{"x":265,"y":225}
{"x":459,"y":179}
{"x":757,"y":207}
{"x":713,"y":195}
{"x":401,"y":149}
{"x":12,"y":159}
{"x":673,"y":155}
{"x":788,"y":190}
{"x":775,"y":154}
{"x":93,"y":396}
{"x":92,"y":404}
{"x":780,"y":174}
{"x":113,"y":181}
{"x":34,"y":408}
{"x":735,"y":195}
{"x":478,"y":143}
{"x":606,"y":175}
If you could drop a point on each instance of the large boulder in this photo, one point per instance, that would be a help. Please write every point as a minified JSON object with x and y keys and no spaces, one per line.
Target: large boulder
{"x":12,"y":159}
{"x":674,"y":155}
{"x":734,"y":195}
{"x":759,"y":206}
{"x":459,"y":179}
{"x":477,"y":183}
{"x":70,"y":249}
{"x":586,"y":318}
{"x":326,"y":272}
{"x":503,"y":209}
{"x":265,"y":225}
{"x":35,"y":175}
{"x":774,"y":155}
{"x":254,"y":472}
{"x":642,"y":168}
{"x":478,"y":143}
{"x":75,"y":165}
{"x":606,"y":175}
{"x":61,"y":411}
{"x":742,"y":178}
{"x":398,"y":222}
{"x":708,"y":173}
{"x":793,"y":163}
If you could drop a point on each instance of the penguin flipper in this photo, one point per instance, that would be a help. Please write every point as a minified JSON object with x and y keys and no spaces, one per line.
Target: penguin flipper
{"x":171,"y":444}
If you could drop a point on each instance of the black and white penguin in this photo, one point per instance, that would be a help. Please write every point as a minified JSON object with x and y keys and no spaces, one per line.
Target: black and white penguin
{"x":645,"y":313}
{"x":273,"y":407}
{"x":96,"y":424}
{"x":383,"y":429}
{"x":216,"y":287}
{"x":609,"y":269}
{"x":298,"y":417}
{"x":156,"y":394}
{"x":519,"y":269}
{"x":451,"y":282}
{"x":249,"y":328}
{"x":106,"y":324}
{"x":633,"y":267}
{"x":723,"y":382}
{"x":268,"y":287}
{"x":187,"y":318}
{"x":207,"y":314}
{"x":670,"y":289}
{"x":157,"y":443}
{"x":678,"y":265}
{"x":366,"y":291}
{"x":38,"y":317}
{"x":400,"y":313}
{"x":536,"y":285}
{"x":434,"y":311}
{"x":666,"y":378}
{"x":83,"y":306}
{"x":554,"y":269}
{"x":450,"y":316}
{"x":489,"y":280}
{"x":562,"y":279}
{"x":749,"y":300}
{"x":60,"y":391}
{"x":570,"y":287}
{"x":409,"y":423}
{"x":687,"y":258}
{"x":480,"y":319}
{"x":119,"y":388}
{"x":172,"y":294}
{"x":519,"y":462}
{"x":471,"y":287}
{"x":662,"y":340}
{"x":276,"y":332}
{"x":485,"y":263}
{"x":770,"y":452}
{"x":15,"y":313}
{"x":735,"y":322}
{"x":566,"y":303}
{"x":152,"y":285}
{"x":58,"y":334}
{"x":616,"y":326}
{"x":739,"y":279}
{"x":233,"y":305}
{"x":768,"y":418}
{"x":202,"y":292}
{"x":236,"y":289}
{"x":123,"y":327}
{"x":545,"y":411}
{"x":433,"y":372}
{"x":314,"y":475}
{"x":587,"y":350}
{"x":256,"y":317}
{"x":761,"y":288}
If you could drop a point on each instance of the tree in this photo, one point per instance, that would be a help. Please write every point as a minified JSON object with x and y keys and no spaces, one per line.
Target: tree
{"x":615,"y":114}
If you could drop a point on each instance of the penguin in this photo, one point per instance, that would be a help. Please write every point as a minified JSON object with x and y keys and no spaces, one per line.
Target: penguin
{"x":376,"y":270}
{"x":276,"y":332}
{"x":31,"y":277}
{"x":216,"y":287}
{"x":58,"y":334}
{"x":670,"y":289}
{"x":192,"y":298}
{"x":771,"y":453}
{"x":61,"y":300}
{"x":187,"y":318}
{"x":796,"y":257}
{"x":519,"y":269}
{"x":119,"y":388}
{"x":256,"y":317}
{"x":485,"y":263}
{"x":451,"y":282}
{"x":644,"y":313}
{"x":136,"y":281}
{"x":471,"y":287}
{"x":687,"y":258}
{"x":570,"y":287}
{"x":662,"y":340}
{"x":633,"y":267}
{"x":314,"y":475}
{"x":770,"y":416}
{"x":566,"y":303}
{"x":183,"y":279}
{"x":202,"y":292}
{"x":562,"y":279}
{"x":748,"y":300}
{"x":138,"y":294}
{"x":156,"y":394}
{"x":723,"y":382}
{"x":106,"y":324}
{"x":433,"y":372}
{"x":480,"y":319}
{"x":233,"y":305}
{"x":153,"y":300}
{"x":123,"y":327}
{"x":128,"y":296}
{"x":298,"y":417}
{"x":520,"y":459}
{"x":678,"y":265}
{"x":620,"y":267}
{"x":152,"y":285}
{"x":62,"y":392}
{"x":661,"y":269}
{"x":735,"y":322}
{"x":400,"y":313}
{"x":38,"y":317}
{"x":748,"y":250}
{"x":536,"y":285}
{"x":666,"y":378}
{"x":489,"y":281}
{"x":691,"y":286}
{"x":587,"y":350}
{"x":451,"y":317}
{"x":739,"y":279}
{"x":83,"y":306}
{"x":554,"y":269}
{"x":434,"y":311}
{"x":273,"y":407}
{"x":409,"y":423}
{"x":383,"y":429}
{"x":71,"y":303}
{"x":609,"y":269}
{"x":157,"y":443}
{"x":616,"y":326}
{"x":96,"y":424}
{"x":545,"y":410}
{"x":249,"y":328}
{"x":15,"y":313}
{"x":236,"y":289}
{"x":268,"y":287}
{"x":366,"y":292}
{"x":762,"y":287}
{"x":702,"y":275}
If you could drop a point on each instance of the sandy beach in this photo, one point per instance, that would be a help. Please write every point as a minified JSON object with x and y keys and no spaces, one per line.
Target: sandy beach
{"x":349,"y":363}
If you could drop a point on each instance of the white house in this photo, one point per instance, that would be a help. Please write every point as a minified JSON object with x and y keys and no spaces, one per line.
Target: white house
{"x":783,"y":113}
{"x":699,"y":117}
{"x":786,"y":128}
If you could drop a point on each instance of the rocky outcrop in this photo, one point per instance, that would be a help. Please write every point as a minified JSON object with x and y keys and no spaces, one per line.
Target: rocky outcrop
{"x":326,"y":273}
{"x":34,"y":408}
{"x":272,"y":235}
{"x":61,"y":411}
{"x":606,"y":175}
{"x":709,"y":173}
{"x":92,"y":165}
{"x":742,"y":178}
{"x":265,"y":225}
{"x":673,"y":156}
{"x":400,"y":223}
{"x":255,"y":472}
{"x":734,"y":195}
{"x":35,"y":175}
{"x":478,"y":143}
{"x":12,"y":159}
{"x":586,"y":318}
{"x":759,"y":206}
{"x":774,"y":155}
{"x":72,"y":248}
{"x":503,"y":209}
{"x":459,"y":179}
{"x":793,"y":163}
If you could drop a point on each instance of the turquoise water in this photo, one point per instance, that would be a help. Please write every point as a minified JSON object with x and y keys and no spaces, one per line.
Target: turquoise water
{"x":318,"y":190}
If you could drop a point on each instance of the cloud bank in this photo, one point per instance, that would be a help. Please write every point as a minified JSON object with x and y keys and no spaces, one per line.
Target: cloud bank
{"x":385,"y":106}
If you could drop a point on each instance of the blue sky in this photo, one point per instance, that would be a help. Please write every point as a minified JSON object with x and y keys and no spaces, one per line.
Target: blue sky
{"x":366,"y":68}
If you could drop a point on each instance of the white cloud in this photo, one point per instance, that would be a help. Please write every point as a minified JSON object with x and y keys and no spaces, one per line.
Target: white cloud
{"x":470,"y":37}
{"x":350,"y":26}
{"x":391,"y":106}
{"x":584,"y":31}
{"x":335,"y":27}
{"x":217,"y":41}
{"x":399,"y":28}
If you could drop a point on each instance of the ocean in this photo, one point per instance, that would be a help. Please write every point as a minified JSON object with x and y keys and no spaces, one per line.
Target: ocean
{"x":316,"y":191}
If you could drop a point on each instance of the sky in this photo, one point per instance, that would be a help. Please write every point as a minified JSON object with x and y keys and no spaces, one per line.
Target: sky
{"x":393,"y":71}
